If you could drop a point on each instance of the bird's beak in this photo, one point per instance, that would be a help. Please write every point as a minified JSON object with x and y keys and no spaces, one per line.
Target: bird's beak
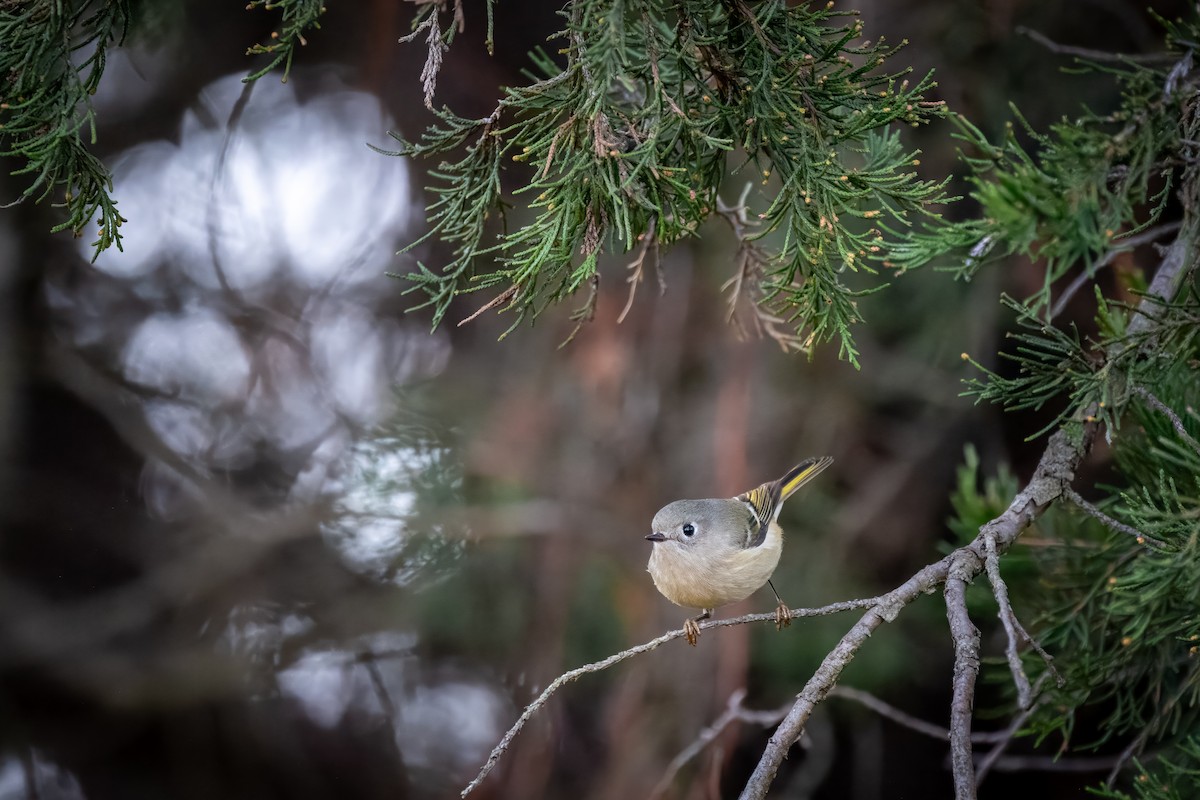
{"x":657,"y":537}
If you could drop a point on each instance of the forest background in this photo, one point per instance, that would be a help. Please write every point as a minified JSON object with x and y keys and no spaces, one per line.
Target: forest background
{"x":266,"y":535}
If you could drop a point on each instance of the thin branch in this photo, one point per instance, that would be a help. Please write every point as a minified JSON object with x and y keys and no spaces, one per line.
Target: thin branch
{"x":1053,"y":764}
{"x":734,"y":712}
{"x":499,"y":299}
{"x":1176,"y":422}
{"x":1014,"y":631}
{"x":1011,"y":625}
{"x":647,"y":242}
{"x":989,"y":761}
{"x":966,"y":668}
{"x":1123,"y":246}
{"x":597,"y":666}
{"x":1175,"y":265}
{"x":1135,"y":747}
{"x":587,"y":312}
{"x":1109,"y":522}
{"x":903,"y":718}
{"x":1093,"y":55}
{"x":822,"y":681}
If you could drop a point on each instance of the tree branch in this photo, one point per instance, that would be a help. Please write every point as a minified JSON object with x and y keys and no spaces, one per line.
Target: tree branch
{"x":1162,"y":407}
{"x":734,"y":712}
{"x":1109,"y":522}
{"x":1093,"y":55}
{"x":1055,"y":470}
{"x":888,"y":711}
{"x":964,"y":566}
{"x":1014,"y":630}
{"x":1005,"y":737}
{"x":1122,"y":246}
{"x":597,"y":666}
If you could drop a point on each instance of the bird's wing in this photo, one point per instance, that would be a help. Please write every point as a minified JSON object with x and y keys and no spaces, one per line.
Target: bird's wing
{"x":763,"y":502}
{"x":767,"y":500}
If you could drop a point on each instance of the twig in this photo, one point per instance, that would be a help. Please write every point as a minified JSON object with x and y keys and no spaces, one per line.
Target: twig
{"x":1176,"y":422}
{"x":585,"y":313}
{"x":1053,"y":764}
{"x":1175,"y":265}
{"x":888,"y":711}
{"x":734,"y":712}
{"x":647,"y":241}
{"x":1109,"y":522}
{"x":749,"y":261}
{"x":1124,"y":246}
{"x":1014,"y":630}
{"x":1093,"y":55}
{"x":966,"y":668}
{"x":503,"y":297}
{"x":1139,"y":741}
{"x":988,"y":762}
{"x":597,"y":666}
{"x":1011,"y":625}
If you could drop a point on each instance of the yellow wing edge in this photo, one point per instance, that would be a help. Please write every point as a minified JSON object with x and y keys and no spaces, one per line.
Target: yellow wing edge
{"x":801,"y":474}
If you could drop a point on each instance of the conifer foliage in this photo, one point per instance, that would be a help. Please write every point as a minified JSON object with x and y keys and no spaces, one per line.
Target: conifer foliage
{"x":635,"y":129}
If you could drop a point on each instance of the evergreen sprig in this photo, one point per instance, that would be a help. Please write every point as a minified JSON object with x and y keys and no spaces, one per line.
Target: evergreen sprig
{"x":635,"y":132}
{"x":298,"y":16}
{"x":51,"y":63}
{"x":1068,"y":196}
{"x":1164,"y":778}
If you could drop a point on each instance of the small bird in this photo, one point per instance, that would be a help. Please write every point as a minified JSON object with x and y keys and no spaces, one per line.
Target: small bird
{"x":708,"y":553}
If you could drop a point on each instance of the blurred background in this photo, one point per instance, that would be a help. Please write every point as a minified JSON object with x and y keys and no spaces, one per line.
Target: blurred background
{"x":263,"y":535}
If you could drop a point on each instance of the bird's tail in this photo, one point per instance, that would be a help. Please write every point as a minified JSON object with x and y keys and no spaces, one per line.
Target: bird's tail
{"x":801,"y":474}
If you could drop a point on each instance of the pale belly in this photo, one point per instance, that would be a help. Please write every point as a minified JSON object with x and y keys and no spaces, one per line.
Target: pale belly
{"x":704,"y":582}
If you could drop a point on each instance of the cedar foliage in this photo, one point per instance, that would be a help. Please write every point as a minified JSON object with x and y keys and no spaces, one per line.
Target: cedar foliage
{"x":650,"y":119}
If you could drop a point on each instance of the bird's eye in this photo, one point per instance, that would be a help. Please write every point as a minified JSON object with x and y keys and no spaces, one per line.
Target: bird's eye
{"x":689,"y":529}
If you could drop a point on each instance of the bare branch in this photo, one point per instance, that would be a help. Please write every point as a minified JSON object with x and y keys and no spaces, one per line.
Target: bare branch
{"x":499,"y":299}
{"x":1053,"y":764}
{"x":1176,"y":422}
{"x":587,"y":312}
{"x":888,"y":711}
{"x":750,"y":262}
{"x":1123,"y":246}
{"x":822,"y":681}
{"x":597,"y":666}
{"x":1109,"y":522}
{"x":994,"y":755}
{"x":1050,"y":482}
{"x":964,"y":567}
{"x":734,"y":712}
{"x":1014,"y":630}
{"x":647,"y":242}
{"x":1093,"y":55}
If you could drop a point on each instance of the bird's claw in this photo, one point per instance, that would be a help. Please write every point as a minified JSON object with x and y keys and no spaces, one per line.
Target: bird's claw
{"x":691,"y":629}
{"x":783,"y":617}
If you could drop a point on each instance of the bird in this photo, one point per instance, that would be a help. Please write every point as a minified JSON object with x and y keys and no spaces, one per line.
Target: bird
{"x":709,"y":553}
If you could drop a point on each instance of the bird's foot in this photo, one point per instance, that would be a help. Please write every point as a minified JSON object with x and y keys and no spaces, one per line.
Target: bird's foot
{"x":783,"y":617}
{"x":691,"y":626}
